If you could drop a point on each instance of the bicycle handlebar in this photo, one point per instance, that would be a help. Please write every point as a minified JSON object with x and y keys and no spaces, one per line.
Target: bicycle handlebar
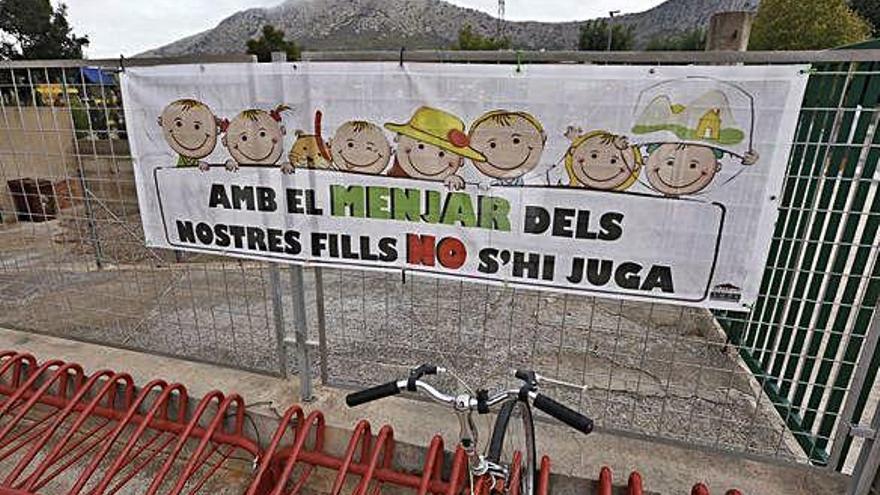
{"x":372,"y":393}
{"x":562,"y":413}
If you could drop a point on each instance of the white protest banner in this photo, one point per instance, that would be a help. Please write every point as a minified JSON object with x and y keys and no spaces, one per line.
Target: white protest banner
{"x":655,"y":184}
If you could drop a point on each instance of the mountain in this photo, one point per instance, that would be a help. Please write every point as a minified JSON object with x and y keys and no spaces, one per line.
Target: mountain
{"x":426,"y":24}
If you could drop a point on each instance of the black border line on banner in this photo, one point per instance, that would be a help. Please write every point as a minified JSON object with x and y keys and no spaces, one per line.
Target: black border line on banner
{"x":451,"y":275}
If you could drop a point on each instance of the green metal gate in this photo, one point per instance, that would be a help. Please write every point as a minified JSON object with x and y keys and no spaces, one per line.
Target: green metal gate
{"x":805,"y":335}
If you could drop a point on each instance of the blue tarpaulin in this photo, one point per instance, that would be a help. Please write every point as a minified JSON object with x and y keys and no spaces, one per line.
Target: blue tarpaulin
{"x":94,"y":75}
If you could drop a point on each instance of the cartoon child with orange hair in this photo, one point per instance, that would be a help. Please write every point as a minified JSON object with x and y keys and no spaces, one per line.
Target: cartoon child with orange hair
{"x":601,"y":160}
{"x":511,"y":142}
{"x":191,"y":129}
{"x":360,"y":146}
{"x":255,"y":137}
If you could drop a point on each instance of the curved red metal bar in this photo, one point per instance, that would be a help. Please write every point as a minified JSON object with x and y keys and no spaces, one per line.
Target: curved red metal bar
{"x":73,"y":398}
{"x":45,"y":409}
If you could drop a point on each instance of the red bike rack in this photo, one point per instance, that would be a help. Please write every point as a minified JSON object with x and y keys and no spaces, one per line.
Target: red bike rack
{"x":366,"y":463}
{"x":65,"y":431}
{"x":62,"y":431}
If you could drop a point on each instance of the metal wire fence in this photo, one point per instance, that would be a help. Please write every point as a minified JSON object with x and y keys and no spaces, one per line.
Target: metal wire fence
{"x":782,"y":381}
{"x":72,"y":255}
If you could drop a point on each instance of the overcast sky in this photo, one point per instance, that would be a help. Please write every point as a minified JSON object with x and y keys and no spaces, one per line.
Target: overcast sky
{"x":129,"y":27}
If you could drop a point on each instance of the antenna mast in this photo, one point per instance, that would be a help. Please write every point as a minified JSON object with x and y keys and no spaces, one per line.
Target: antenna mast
{"x":499,"y":23}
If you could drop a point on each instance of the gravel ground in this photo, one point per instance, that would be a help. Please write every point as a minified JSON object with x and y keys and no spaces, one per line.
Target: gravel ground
{"x":649,"y":369}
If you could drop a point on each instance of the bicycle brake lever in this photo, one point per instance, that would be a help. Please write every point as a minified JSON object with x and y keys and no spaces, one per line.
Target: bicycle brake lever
{"x":528,"y":376}
{"x":530,"y":383}
{"x":417,"y":373}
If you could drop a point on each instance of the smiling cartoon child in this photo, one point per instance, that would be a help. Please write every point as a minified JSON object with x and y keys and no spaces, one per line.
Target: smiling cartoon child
{"x":360,"y":146}
{"x":512,"y":143}
{"x":678,"y":169}
{"x":601,"y":160}
{"x":432,"y":146}
{"x":255,"y":137}
{"x":191,"y":129}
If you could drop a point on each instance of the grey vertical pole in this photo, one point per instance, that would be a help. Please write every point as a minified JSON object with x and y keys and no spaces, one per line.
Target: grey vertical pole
{"x":277,"y":292}
{"x":303,"y":363}
{"x":857,"y":384}
{"x":322,"y":332}
{"x":90,"y":216}
{"x":868,"y":465}
{"x":278,"y":316}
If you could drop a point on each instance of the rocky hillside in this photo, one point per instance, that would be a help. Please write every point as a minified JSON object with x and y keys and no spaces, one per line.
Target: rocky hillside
{"x":389,"y":24}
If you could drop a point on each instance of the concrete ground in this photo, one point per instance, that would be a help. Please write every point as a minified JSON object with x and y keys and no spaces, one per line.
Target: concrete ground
{"x":667,"y":468}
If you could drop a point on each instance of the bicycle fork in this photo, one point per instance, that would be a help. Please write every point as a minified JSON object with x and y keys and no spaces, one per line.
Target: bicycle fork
{"x":468,"y":439}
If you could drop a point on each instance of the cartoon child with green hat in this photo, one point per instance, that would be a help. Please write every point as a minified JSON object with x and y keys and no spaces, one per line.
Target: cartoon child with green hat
{"x":679,"y":169}
{"x":432,"y":146}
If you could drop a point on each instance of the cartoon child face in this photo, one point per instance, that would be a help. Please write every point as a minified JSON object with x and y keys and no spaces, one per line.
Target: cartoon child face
{"x":190,"y":128}
{"x":360,"y":146}
{"x":599,"y":160}
{"x":679,"y":169}
{"x":425,"y":161}
{"x":255,"y":137}
{"x":512,"y":143}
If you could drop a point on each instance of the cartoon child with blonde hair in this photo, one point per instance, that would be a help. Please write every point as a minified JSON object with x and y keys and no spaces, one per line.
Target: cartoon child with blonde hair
{"x":255,"y":137}
{"x":601,"y":160}
{"x":191,"y":129}
{"x":511,"y":142}
{"x":360,"y":146}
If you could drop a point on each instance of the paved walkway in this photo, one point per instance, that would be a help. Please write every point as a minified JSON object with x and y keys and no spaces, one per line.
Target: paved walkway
{"x":666,"y":468}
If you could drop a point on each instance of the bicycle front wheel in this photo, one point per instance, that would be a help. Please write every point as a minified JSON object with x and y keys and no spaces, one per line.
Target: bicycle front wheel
{"x":515,"y":431}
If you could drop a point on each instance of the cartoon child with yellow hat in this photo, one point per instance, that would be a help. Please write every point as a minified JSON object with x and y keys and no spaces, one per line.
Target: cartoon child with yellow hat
{"x":432,"y":146}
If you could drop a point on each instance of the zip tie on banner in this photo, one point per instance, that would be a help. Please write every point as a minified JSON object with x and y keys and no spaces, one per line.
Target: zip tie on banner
{"x":402,"y":50}
{"x":518,"y":61}
{"x":810,"y":71}
{"x":121,"y":63}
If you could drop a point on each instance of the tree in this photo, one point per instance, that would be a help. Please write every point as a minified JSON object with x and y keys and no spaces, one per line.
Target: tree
{"x":870,"y":11}
{"x":594,"y":36}
{"x":469,"y":40}
{"x":800,"y":25}
{"x":272,"y":40}
{"x":32,"y":29}
{"x":687,"y":41}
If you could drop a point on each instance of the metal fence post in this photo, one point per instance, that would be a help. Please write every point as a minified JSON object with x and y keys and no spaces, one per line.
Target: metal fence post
{"x":303,"y":362}
{"x":865,"y":472}
{"x":90,"y":215}
{"x":845,"y":426}
{"x":322,"y":332}
{"x":278,"y":317}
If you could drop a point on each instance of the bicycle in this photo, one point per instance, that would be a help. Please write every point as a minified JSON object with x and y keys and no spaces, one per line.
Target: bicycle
{"x":495,"y":467}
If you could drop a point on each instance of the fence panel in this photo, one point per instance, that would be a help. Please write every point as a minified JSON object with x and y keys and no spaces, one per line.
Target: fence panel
{"x":822,"y":279}
{"x":75,"y":265}
{"x":771,"y":382}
